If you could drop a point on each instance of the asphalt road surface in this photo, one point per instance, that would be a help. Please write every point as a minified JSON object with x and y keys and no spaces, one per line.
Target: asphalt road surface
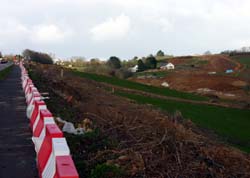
{"x":17,"y":155}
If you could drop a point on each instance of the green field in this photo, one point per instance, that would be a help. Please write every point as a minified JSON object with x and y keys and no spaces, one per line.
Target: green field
{"x":156,"y":73}
{"x":5,"y":72}
{"x":141,"y":87}
{"x":232,"y":124}
{"x":243,"y":59}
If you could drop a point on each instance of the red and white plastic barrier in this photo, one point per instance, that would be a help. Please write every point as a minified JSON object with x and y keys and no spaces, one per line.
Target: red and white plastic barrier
{"x":53,"y":154}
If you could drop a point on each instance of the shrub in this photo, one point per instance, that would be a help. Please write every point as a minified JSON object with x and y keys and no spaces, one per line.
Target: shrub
{"x":114,"y":62}
{"x":151,"y":62}
{"x":141,"y":66}
{"x":106,"y":171}
{"x":99,"y":69}
{"x":123,"y":73}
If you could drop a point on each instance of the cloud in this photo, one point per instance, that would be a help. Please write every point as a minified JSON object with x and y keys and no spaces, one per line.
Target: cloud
{"x":12,"y":29}
{"x":111,"y":29}
{"x":81,"y":27}
{"x":50,"y":33}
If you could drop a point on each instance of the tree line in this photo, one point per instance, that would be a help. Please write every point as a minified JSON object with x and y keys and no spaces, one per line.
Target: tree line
{"x":35,"y":56}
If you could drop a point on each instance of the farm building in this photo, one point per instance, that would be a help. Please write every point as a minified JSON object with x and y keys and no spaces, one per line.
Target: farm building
{"x":169,"y":66}
{"x":134,"y":69}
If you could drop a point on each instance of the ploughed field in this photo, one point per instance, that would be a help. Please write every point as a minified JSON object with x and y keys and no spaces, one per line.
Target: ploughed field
{"x":131,"y":138}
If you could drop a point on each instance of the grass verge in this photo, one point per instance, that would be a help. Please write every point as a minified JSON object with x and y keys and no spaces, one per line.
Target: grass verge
{"x":139,"y":86}
{"x":231,"y":124}
{"x":5,"y":72}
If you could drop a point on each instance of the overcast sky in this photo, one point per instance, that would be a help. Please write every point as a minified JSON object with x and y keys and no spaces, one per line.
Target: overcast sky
{"x":125,"y":28}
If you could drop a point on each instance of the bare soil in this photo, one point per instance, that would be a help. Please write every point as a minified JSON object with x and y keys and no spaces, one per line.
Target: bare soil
{"x":190,"y":80}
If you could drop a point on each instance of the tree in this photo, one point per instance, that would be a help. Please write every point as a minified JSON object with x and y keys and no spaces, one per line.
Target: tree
{"x":151,"y":62}
{"x":160,"y":53}
{"x":114,"y":62}
{"x":78,"y":61}
{"x":1,"y":54}
{"x":42,"y":58}
{"x":141,"y":66}
{"x":95,"y":61}
{"x":207,"y":53}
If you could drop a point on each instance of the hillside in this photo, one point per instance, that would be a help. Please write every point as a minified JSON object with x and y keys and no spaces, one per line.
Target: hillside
{"x":203,"y":74}
{"x":139,"y":139}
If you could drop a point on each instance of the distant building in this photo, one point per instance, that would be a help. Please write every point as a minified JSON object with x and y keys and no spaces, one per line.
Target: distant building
{"x":229,"y":71}
{"x":165,"y":84}
{"x":211,"y":73}
{"x":134,"y":69}
{"x":169,"y":66}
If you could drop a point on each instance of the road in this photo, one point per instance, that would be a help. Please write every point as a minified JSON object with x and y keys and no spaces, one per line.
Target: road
{"x":3,"y":66}
{"x":17,"y":155}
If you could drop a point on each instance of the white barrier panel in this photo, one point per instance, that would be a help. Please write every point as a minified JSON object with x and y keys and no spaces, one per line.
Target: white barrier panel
{"x":35,"y":116}
{"x":33,"y":91}
{"x":31,"y":104}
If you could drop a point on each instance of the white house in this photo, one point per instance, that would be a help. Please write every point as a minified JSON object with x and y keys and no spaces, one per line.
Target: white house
{"x":134,"y":69}
{"x":165,"y":84}
{"x":169,"y":66}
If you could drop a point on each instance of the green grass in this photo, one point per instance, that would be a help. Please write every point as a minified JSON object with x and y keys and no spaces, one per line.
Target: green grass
{"x":163,"y":58}
{"x":243,"y":59}
{"x":156,"y":73}
{"x":141,"y":87}
{"x":5,"y":72}
{"x":232,"y":124}
{"x":106,"y":171}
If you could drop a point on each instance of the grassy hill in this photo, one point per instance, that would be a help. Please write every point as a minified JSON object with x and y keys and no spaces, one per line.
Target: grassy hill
{"x":141,"y":87}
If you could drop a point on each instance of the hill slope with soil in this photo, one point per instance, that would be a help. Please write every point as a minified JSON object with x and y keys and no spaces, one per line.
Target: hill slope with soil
{"x":145,"y":142}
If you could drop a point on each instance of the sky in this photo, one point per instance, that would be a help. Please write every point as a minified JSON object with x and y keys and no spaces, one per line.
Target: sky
{"x":123,"y":28}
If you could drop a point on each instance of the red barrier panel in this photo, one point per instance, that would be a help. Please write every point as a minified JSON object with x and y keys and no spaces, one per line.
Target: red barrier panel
{"x":29,"y":81}
{"x":52,"y":131}
{"x":35,"y":114}
{"x":30,"y":93}
{"x":33,"y":97}
{"x":65,"y":167}
{"x":44,"y":113}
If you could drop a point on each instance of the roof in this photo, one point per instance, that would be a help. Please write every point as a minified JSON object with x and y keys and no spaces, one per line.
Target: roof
{"x":170,"y":64}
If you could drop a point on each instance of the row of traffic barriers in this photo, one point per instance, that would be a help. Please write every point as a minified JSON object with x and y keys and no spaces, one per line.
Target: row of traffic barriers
{"x":52,"y":151}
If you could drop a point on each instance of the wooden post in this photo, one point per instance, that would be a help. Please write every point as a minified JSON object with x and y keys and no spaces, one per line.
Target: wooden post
{"x":61,"y":73}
